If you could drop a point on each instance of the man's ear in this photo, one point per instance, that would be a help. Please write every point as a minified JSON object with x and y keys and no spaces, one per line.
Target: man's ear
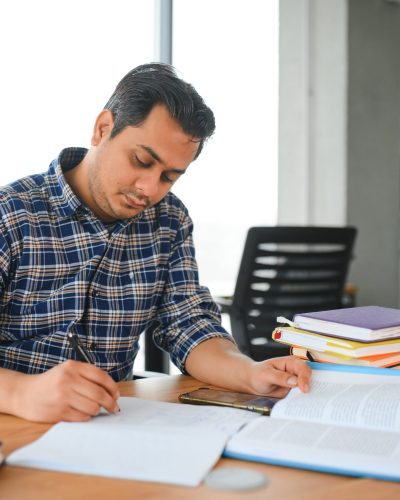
{"x":102,"y":127}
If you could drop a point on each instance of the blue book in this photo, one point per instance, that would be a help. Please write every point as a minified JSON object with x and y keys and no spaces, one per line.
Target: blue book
{"x":364,"y":324}
{"x":349,"y":423}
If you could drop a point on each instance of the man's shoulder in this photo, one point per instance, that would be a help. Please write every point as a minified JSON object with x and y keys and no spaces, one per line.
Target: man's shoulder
{"x":169,"y":213}
{"x":172,"y":204}
{"x":25,"y":190}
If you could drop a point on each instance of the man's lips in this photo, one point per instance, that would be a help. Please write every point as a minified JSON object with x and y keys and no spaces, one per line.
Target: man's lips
{"x":134,"y":202}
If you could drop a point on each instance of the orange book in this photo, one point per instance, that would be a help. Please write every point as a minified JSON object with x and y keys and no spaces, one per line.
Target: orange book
{"x":378,"y":360}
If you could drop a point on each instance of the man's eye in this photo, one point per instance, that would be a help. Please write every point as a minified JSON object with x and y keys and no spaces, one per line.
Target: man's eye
{"x":141,"y":162}
{"x":165,"y":178}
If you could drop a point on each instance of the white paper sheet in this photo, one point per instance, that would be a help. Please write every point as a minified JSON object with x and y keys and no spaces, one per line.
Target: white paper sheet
{"x":147,"y":440}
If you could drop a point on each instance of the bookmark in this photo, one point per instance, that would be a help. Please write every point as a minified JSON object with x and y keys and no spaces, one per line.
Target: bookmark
{"x":281,"y":319}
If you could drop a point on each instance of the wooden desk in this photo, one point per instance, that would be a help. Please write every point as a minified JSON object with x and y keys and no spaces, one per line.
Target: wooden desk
{"x":284,"y":483}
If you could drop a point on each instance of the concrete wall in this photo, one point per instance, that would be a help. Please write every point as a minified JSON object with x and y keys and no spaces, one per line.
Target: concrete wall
{"x":312,"y":112}
{"x":373,"y":159}
{"x":339,"y":145}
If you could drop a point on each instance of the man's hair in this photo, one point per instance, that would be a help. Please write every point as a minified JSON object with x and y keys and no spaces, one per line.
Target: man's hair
{"x":157,"y":83}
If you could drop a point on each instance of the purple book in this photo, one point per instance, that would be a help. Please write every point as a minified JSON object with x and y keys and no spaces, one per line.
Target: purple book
{"x":367,"y":323}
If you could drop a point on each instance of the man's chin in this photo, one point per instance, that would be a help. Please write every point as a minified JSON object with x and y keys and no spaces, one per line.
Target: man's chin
{"x":130,"y":212}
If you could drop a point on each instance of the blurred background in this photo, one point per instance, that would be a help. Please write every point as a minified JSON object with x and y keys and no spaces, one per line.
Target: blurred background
{"x":64,"y":58}
{"x":306,"y":95}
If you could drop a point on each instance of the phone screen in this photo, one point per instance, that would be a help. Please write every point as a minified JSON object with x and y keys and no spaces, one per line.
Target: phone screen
{"x":252,"y":402}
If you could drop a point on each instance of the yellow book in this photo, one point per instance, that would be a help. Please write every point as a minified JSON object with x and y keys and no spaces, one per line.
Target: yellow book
{"x":339,"y":346}
{"x":378,"y":360}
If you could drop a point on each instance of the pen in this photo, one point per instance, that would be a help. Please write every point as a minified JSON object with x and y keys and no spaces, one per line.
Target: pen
{"x":73,"y":339}
{"x":76,"y":346}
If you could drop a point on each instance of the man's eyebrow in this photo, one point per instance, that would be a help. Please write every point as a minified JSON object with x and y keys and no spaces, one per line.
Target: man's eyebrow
{"x":151,"y":153}
{"x":156,"y":157}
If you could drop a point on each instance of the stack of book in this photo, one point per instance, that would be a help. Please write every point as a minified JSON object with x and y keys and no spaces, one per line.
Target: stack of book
{"x":363,"y":336}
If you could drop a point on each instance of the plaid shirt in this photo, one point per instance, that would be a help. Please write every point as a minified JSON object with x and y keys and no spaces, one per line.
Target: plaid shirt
{"x":62,"y":270}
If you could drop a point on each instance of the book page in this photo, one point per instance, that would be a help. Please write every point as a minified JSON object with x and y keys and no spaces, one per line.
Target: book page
{"x":147,"y":440}
{"x":345,"y":398}
{"x":318,"y":446}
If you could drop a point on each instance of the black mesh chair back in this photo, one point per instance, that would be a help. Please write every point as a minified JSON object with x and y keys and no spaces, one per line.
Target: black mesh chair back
{"x":284,"y":271}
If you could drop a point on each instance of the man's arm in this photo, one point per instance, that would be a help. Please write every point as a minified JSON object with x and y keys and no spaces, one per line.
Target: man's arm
{"x":219,"y":362}
{"x":71,"y":391}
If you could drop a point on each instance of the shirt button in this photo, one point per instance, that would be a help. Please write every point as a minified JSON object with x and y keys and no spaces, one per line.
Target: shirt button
{"x":95,"y":293}
{"x":92,"y":346}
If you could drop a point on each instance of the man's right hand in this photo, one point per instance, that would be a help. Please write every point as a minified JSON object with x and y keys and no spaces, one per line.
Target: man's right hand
{"x":72,"y":391}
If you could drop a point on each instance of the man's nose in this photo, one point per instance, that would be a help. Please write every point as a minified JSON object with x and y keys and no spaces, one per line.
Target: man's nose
{"x":148,"y":183}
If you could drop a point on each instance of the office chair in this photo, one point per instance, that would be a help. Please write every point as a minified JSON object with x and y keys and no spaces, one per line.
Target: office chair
{"x":156,"y":361}
{"x":284,"y":271}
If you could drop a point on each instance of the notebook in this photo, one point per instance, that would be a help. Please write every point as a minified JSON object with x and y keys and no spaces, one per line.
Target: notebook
{"x":365,"y":324}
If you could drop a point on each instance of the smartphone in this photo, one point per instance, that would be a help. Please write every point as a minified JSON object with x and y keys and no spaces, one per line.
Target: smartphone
{"x":251,"y":402}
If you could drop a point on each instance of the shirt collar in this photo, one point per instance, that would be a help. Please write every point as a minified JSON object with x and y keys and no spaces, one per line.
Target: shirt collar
{"x":63,"y":200}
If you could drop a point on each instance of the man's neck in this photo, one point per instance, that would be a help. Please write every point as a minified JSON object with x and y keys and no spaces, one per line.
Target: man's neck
{"x":77,"y":179}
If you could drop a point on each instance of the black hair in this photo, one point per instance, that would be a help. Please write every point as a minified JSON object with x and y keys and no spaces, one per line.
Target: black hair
{"x":157,"y":83}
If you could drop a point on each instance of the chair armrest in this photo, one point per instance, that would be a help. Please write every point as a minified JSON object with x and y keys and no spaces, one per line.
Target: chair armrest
{"x":224,"y":303}
{"x":148,"y":374}
{"x":349,"y":298}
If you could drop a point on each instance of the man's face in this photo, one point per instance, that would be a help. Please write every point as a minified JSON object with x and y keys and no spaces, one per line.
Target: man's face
{"x":136,"y":168}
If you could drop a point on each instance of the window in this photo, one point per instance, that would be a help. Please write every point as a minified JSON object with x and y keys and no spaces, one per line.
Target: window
{"x":228,"y":49}
{"x":60,"y":63}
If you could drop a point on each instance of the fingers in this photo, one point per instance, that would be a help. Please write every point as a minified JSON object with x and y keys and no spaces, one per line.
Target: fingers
{"x":89,"y":407}
{"x":100,"y":378}
{"x":301,"y":370}
{"x":276,"y":376}
{"x":290,"y":371}
{"x":91,"y":397}
{"x":76,"y":416}
{"x":303,"y":378}
{"x":71,"y":391}
{"x":81,"y":411}
{"x":93,"y":389}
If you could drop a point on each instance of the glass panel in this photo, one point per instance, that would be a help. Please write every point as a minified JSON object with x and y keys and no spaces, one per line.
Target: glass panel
{"x":60,"y":62}
{"x":228,"y":49}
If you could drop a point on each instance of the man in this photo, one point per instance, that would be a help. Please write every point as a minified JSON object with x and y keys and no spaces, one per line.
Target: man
{"x":97,"y":248}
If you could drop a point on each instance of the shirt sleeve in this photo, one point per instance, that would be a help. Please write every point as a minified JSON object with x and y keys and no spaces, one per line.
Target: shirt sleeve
{"x":4,"y":257}
{"x":187,"y":314}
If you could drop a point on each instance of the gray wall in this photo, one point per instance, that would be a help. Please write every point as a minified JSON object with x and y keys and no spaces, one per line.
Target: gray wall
{"x":312,"y":112}
{"x":339,"y":141}
{"x":373,"y":160}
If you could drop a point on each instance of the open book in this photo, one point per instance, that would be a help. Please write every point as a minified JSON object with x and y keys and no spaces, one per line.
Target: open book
{"x":349,"y":423}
